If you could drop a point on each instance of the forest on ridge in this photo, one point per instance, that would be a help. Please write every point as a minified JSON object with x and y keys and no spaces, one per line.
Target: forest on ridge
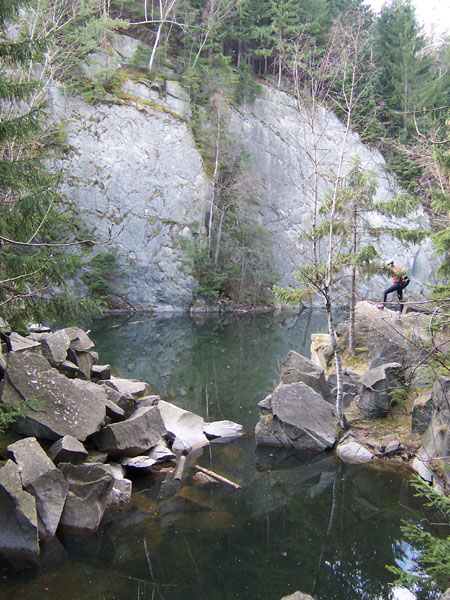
{"x":379,"y":74}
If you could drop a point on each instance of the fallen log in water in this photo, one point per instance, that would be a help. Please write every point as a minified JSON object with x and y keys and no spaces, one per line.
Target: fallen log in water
{"x":218,"y":477}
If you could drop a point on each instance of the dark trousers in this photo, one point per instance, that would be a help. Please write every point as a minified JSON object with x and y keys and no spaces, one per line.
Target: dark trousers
{"x":395,"y":287}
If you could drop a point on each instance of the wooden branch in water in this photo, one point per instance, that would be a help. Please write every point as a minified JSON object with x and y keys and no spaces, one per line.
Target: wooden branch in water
{"x":218,"y":477}
{"x":180,"y":467}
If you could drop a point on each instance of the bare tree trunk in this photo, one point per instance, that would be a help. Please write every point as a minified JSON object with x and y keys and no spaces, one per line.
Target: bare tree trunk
{"x":351,"y":320}
{"x":155,"y":46}
{"x":214,"y":181}
{"x":338,"y":364}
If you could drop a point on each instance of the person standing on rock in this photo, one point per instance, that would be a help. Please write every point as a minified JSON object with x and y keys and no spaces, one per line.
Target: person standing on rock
{"x":400,"y":281}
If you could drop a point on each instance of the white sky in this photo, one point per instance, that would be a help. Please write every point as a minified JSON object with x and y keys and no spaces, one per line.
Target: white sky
{"x":433,"y":14}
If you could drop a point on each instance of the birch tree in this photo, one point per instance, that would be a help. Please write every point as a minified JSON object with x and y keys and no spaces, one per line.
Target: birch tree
{"x":334,"y":78}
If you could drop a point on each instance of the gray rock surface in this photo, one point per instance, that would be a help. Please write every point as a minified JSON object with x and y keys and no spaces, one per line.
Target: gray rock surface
{"x":225,"y":430}
{"x":44,"y":481}
{"x":300,"y":418}
{"x":183,"y":426}
{"x":298,"y":596}
{"x":67,"y":449}
{"x":436,"y":439}
{"x":353,"y":452}
{"x":296,"y":368}
{"x":135,"y":168}
{"x":134,"y":436}
{"x":129,"y":387}
{"x":18,"y":517}
{"x":19,"y":343}
{"x":56,"y":406}
{"x":375,"y":387}
{"x":136,"y":164}
{"x":88,"y":496}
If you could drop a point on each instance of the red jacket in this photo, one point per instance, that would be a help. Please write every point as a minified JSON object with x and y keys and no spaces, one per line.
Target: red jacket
{"x":398,"y":277}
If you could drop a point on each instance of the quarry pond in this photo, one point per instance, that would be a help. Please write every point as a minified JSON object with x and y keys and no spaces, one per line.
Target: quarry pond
{"x":298,"y":522}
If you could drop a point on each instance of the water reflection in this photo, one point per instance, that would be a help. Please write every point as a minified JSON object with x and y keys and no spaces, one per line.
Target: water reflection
{"x":218,"y":367}
{"x":299,"y":522}
{"x":315,"y":525}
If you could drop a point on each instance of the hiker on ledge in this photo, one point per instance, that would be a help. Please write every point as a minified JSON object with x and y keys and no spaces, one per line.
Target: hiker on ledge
{"x":400,"y":281}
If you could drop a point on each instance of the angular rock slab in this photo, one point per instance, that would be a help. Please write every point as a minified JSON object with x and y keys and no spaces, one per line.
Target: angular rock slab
{"x":44,"y":481}
{"x":130,"y":387}
{"x":31,"y":459}
{"x":184,"y":426}
{"x":90,"y":487}
{"x":18,"y":517}
{"x":352,"y":452}
{"x":375,"y":387}
{"x":223,"y":430}
{"x":57,"y":407}
{"x":56,"y":345}
{"x":120,"y":493}
{"x":18,"y":343}
{"x":297,"y":368}
{"x":160,"y":453}
{"x":300,"y":418}
{"x":134,"y":436}
{"x":67,"y":449}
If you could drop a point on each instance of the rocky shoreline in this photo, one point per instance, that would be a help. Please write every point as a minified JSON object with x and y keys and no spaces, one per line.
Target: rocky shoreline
{"x":396,"y":408}
{"x":80,"y":433}
{"x":83,"y":434}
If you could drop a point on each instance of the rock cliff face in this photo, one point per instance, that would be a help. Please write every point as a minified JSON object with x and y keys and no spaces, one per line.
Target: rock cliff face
{"x":135,"y":169}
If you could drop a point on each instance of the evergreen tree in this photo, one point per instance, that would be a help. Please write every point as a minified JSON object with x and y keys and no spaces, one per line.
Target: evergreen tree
{"x":33,"y":233}
{"x":285,"y":23}
{"x":405,"y":83}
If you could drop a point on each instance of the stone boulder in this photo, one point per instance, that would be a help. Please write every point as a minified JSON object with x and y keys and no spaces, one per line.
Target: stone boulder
{"x":321,"y":349}
{"x":296,"y":416}
{"x":387,"y":337}
{"x":55,"y":406}
{"x":18,"y":343}
{"x":120,"y":493}
{"x":145,"y":462}
{"x":44,"y":481}
{"x":18,"y":517}
{"x":67,"y":449}
{"x":184,"y":427}
{"x":223,"y":430}
{"x":353,"y":452}
{"x":134,"y":436}
{"x":297,"y":368}
{"x":88,"y":497}
{"x":422,"y":412}
{"x":375,"y":388}
{"x":350,"y":389}
{"x":130,"y":387}
{"x":436,"y":439}
{"x":298,"y":596}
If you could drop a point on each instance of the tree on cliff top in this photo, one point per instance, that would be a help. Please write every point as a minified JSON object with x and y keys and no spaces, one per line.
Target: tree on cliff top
{"x":34,"y":265}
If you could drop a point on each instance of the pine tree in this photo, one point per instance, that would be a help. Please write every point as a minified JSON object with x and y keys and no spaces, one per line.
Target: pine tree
{"x":33,"y":266}
{"x":405,"y":83}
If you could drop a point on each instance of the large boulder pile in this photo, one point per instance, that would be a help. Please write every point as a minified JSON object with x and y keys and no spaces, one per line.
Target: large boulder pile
{"x":300,"y":414}
{"x":81,"y":434}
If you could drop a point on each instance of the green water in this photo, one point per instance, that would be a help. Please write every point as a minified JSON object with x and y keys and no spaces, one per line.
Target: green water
{"x":298,"y":522}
